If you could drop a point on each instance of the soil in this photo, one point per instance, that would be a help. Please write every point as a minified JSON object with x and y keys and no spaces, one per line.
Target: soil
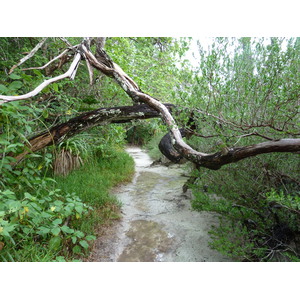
{"x":157,"y":224}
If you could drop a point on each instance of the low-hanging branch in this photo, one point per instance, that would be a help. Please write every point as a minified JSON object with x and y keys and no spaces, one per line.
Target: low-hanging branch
{"x":101,"y":116}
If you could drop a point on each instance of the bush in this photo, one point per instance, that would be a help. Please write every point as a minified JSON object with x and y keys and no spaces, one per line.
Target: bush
{"x":44,"y":219}
{"x":258,"y":206}
{"x":142,"y":132}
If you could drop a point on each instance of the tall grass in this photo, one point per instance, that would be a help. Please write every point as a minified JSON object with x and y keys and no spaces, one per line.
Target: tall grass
{"x":93,"y":182}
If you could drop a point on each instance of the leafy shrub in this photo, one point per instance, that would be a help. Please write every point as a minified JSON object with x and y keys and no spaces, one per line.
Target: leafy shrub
{"x":258,"y":207}
{"x":44,"y":219}
{"x":141,"y":132}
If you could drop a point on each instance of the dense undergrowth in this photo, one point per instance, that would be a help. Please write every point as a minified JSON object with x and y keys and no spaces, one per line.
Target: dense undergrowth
{"x":58,"y":221}
{"x":258,"y":202}
{"x":92,"y":184}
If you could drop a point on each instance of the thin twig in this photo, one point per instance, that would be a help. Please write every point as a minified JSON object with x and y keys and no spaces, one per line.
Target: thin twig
{"x":29,"y":55}
{"x":48,"y":63}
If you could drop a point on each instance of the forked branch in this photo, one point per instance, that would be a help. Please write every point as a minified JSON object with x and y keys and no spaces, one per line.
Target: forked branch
{"x":70,"y":73}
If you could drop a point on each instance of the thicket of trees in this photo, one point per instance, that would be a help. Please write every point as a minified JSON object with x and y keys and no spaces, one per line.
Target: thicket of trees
{"x":242,"y":100}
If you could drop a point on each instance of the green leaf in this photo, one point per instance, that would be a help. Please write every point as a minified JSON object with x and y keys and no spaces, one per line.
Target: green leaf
{"x":46,"y":215}
{"x":43,"y":230}
{"x":55,"y":87}
{"x":27,"y":195}
{"x":79,"y":234}
{"x":57,"y":222}
{"x":3,"y":88}
{"x":90,"y":238}
{"x":76,"y":249}
{"x":84,"y":244}
{"x":60,"y":259}
{"x":55,"y":243}
{"x":79,"y":209}
{"x":45,"y":113}
{"x":67,"y":229}
{"x":55,"y":231}
{"x":15,"y":85}
{"x":14,"y":76}
{"x":38,"y":73}
{"x":10,"y":227}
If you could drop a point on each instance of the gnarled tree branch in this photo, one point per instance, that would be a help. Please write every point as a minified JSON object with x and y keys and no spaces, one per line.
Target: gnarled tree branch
{"x":101,"y":116}
{"x":103,"y":63}
{"x":211,"y":161}
{"x":215,"y":161}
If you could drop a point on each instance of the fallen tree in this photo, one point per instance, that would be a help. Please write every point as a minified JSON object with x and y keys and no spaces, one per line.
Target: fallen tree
{"x":85,"y":121}
{"x":174,"y":145}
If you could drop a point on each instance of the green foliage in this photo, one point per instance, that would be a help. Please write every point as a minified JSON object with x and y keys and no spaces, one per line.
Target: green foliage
{"x":258,"y":206}
{"x":42,"y":218}
{"x":92,"y":183}
{"x":247,"y":88}
{"x":246,"y":85}
{"x":243,"y":89}
{"x":150,"y":61}
{"x":141,"y":132}
{"x":39,"y":223}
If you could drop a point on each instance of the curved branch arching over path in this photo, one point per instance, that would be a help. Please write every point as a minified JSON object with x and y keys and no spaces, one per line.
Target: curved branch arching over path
{"x":102,"y":62}
{"x":211,"y":161}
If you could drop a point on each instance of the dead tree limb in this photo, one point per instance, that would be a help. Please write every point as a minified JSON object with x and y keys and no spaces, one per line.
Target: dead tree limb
{"x":70,"y":73}
{"x":102,"y":116}
{"x":103,"y":63}
{"x":216,"y":160}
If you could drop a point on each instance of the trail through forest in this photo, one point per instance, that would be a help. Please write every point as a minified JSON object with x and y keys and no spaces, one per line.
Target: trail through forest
{"x":157,"y":221}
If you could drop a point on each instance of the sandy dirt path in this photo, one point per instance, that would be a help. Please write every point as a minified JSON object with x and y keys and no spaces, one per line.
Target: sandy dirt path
{"x":157,"y":221}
